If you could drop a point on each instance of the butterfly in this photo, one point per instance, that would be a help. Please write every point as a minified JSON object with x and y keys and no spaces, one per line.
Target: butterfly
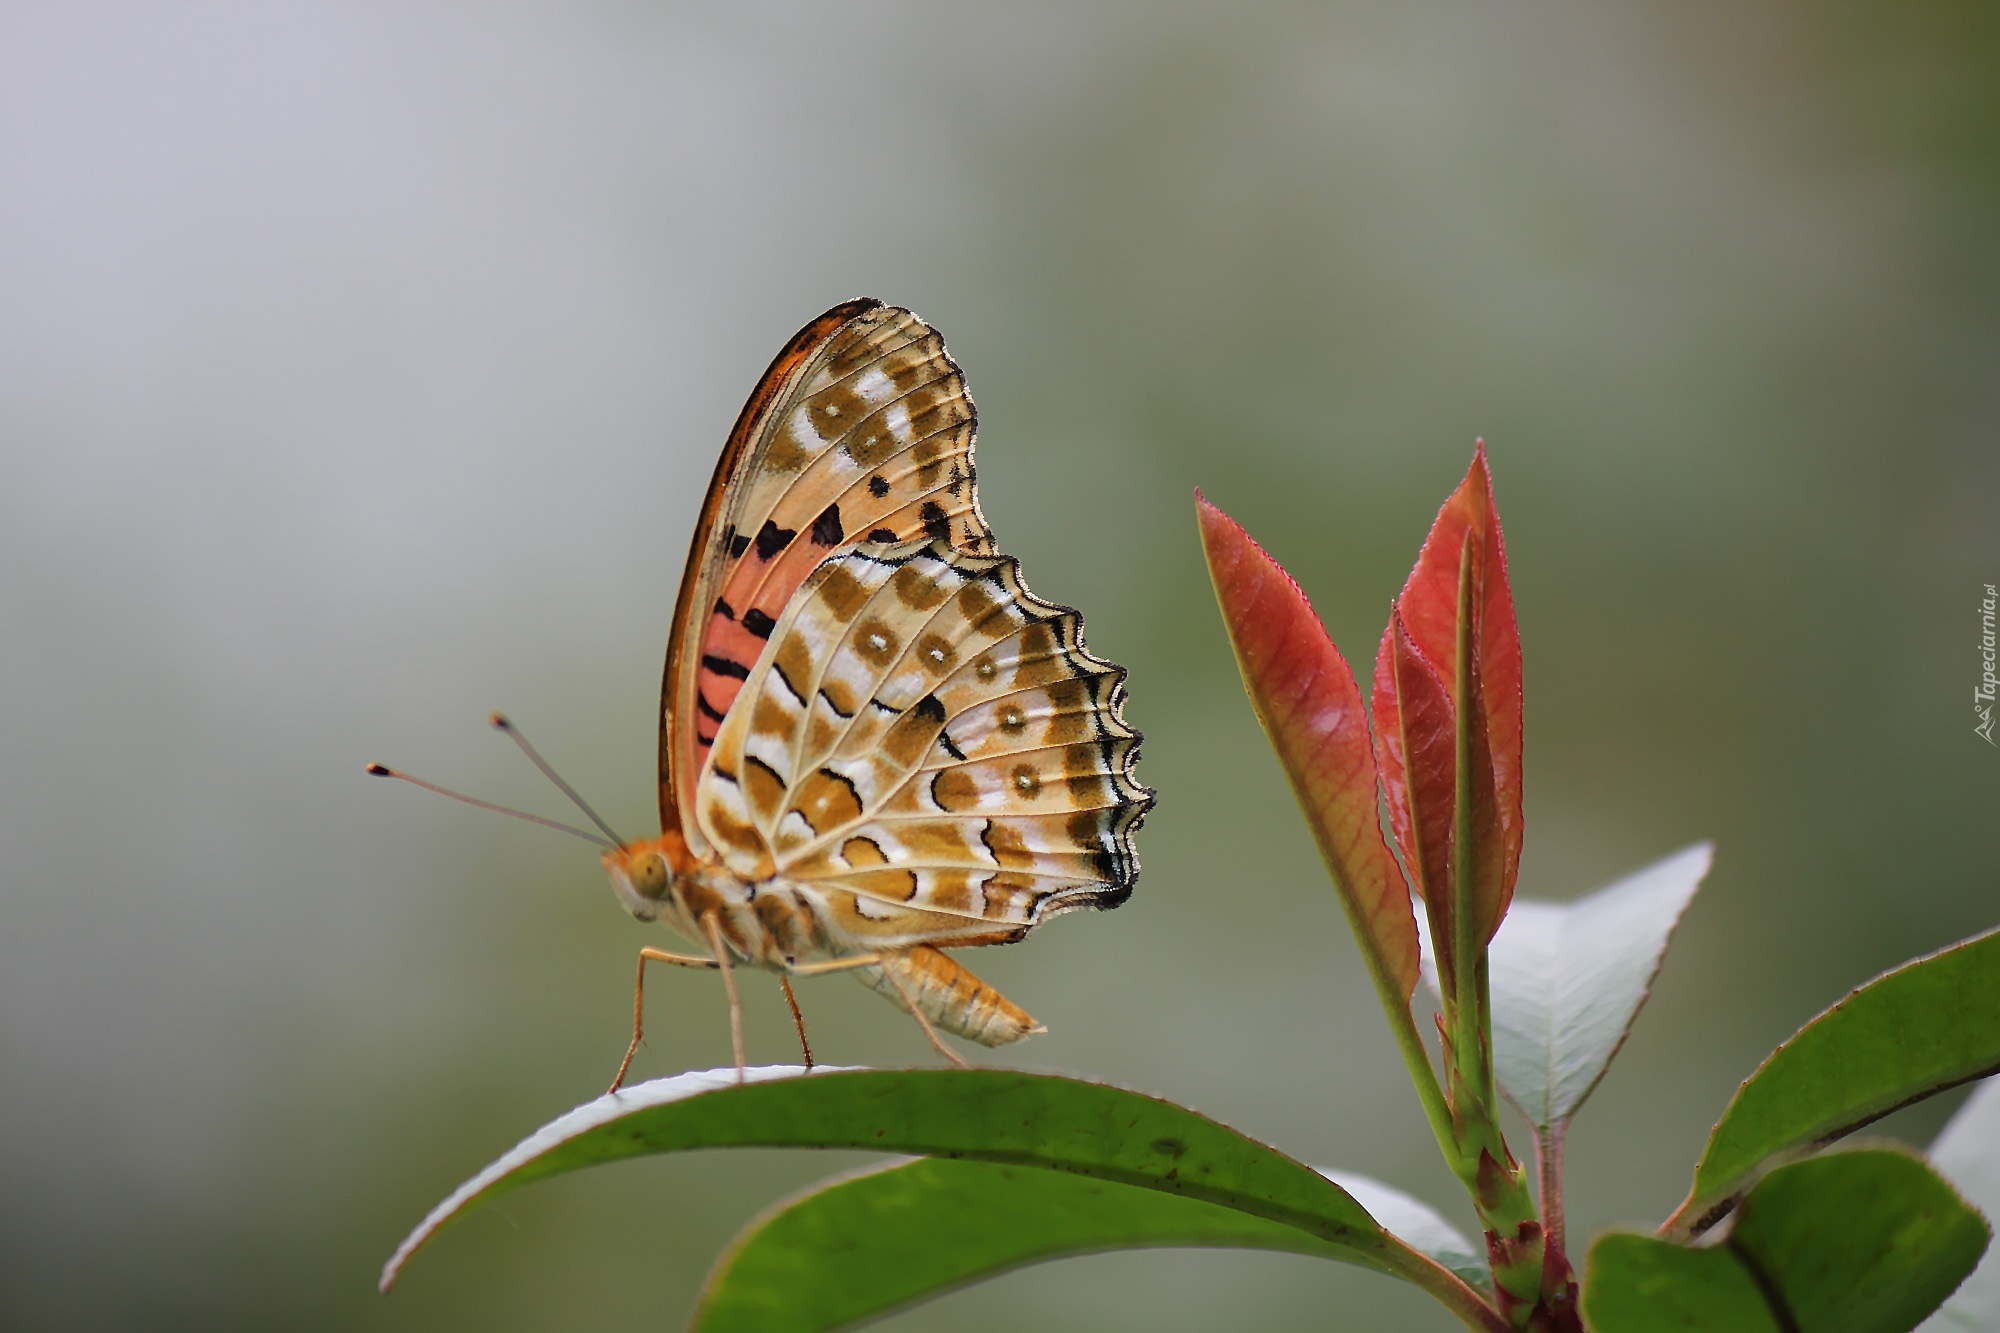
{"x":876,"y":744}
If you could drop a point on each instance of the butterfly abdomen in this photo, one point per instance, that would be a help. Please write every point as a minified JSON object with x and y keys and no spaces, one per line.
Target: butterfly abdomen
{"x":950,"y":996}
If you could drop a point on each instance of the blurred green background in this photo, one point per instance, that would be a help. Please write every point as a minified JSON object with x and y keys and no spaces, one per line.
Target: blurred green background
{"x":360,"y":370}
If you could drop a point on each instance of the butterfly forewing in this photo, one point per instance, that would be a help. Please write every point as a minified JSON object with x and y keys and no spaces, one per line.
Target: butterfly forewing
{"x":930,"y":748}
{"x":861,"y":431}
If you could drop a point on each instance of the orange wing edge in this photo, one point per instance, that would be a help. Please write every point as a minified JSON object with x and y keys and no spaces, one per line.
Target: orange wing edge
{"x":676,"y":811}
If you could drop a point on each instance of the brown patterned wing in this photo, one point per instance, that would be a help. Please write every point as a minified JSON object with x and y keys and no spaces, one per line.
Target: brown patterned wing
{"x":860,"y":430}
{"x":930,"y":750}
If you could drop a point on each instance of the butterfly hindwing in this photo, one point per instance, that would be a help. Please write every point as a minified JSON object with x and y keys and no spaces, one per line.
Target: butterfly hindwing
{"x":861,"y":431}
{"x":929,"y":748}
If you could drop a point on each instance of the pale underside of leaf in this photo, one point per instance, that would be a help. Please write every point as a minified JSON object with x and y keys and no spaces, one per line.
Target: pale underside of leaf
{"x":1967,"y":1154}
{"x":1568,"y":979}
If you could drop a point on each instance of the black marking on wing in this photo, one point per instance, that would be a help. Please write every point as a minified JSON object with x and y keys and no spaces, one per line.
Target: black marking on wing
{"x":933,"y":790}
{"x":826,"y":529}
{"x":776,"y":776}
{"x":841,"y":778}
{"x":936,"y":525}
{"x":931,"y":709}
{"x":725,"y":666}
{"x":883,"y":560}
{"x":724,"y":609}
{"x":758,"y":623}
{"x":892,"y":712}
{"x":772,"y":539}
{"x":881,"y":535}
{"x":1115,"y":896}
{"x":786,"y":681}
{"x":833,"y":707}
{"x":708,"y":709}
{"x":950,"y":746}
{"x":735,"y":540}
{"x":877,"y":487}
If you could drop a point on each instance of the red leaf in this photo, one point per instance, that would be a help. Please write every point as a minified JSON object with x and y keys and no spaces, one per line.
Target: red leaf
{"x":1425,"y":741}
{"x":1493,"y":886}
{"x":1428,"y":607}
{"x":1311,"y":709}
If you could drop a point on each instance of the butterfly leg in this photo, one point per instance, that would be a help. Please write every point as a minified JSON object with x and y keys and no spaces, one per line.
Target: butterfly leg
{"x":909,"y":1000}
{"x":930,"y":1033}
{"x":836,"y":965}
{"x":798,"y":1018}
{"x":648,"y":955}
{"x":712,"y":927}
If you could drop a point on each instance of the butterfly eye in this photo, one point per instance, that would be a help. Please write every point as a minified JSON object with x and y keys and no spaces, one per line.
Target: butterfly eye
{"x":648,"y":876}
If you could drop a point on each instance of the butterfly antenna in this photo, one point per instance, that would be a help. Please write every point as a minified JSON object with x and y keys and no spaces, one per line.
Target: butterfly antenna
{"x":383,"y":771}
{"x":500,"y":723}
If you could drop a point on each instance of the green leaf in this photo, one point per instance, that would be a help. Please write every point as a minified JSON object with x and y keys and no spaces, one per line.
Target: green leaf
{"x":1641,"y":1284}
{"x":1968,"y":1155}
{"x":861,"y":1245}
{"x":1568,"y":978}
{"x":989,"y":1115}
{"x":1927,"y":1026}
{"x":1867,"y":1241}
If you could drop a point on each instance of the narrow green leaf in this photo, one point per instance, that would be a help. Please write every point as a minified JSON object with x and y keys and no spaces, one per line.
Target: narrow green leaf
{"x":1968,"y":1155}
{"x":863,"y":1244}
{"x":1927,"y":1026}
{"x":1568,"y":979}
{"x":989,"y":1115}
{"x":1867,"y":1241}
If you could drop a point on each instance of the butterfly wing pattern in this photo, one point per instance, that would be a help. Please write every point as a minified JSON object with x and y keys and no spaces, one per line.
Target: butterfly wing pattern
{"x":876,"y":742}
{"x":860,"y":430}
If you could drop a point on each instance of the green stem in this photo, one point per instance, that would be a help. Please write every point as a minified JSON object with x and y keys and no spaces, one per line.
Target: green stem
{"x":1402,"y":1024}
{"x":1423,"y":1076}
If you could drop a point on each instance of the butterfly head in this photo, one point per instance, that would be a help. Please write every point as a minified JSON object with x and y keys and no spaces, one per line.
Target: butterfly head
{"x":643,"y":872}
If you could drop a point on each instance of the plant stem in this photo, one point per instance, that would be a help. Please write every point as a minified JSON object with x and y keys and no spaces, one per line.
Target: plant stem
{"x":1423,"y":1075}
{"x":1548,"y":1169}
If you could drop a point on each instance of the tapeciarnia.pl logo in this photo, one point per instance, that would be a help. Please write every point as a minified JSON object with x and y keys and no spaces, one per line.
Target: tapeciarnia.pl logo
{"x":1982,"y":694}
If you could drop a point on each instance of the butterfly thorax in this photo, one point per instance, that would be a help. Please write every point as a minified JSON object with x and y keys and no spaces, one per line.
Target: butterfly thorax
{"x":766,"y":923}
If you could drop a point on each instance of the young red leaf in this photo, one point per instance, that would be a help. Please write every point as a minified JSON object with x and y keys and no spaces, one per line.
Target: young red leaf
{"x":1426,"y":732}
{"x":1492,"y":884}
{"x":1310,"y":707}
{"x":1428,"y":606}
